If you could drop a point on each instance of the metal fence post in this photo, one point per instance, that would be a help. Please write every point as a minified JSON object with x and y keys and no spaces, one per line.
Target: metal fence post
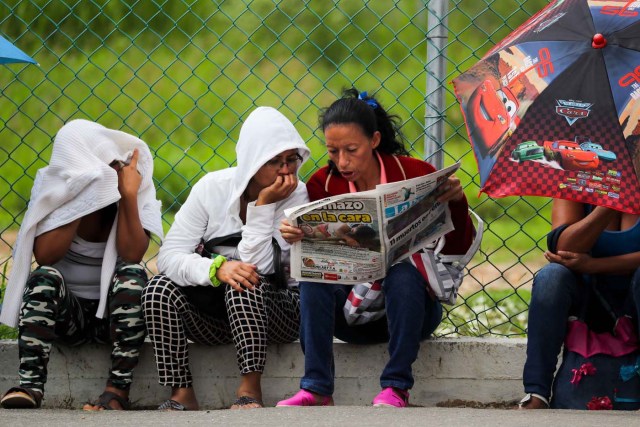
{"x":437,"y":33}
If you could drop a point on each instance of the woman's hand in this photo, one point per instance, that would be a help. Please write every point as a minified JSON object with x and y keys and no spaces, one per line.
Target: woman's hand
{"x":451,"y":191}
{"x":281,"y":188}
{"x":129,"y":179}
{"x":290,"y":234}
{"x":574,"y":261}
{"x":239,"y":275}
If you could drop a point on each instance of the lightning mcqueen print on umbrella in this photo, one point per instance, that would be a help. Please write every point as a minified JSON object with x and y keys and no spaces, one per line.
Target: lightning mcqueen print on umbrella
{"x":554,"y":109}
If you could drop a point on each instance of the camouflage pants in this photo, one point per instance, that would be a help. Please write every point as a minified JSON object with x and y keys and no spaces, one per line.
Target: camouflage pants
{"x":49,"y":312}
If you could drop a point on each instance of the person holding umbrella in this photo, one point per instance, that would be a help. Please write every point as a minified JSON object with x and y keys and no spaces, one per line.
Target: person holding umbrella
{"x":365,"y":149}
{"x":586,"y":243}
{"x":87,"y":225}
{"x":561,"y":93}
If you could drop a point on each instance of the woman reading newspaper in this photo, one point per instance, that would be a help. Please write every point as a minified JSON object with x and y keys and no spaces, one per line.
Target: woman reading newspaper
{"x":365,"y":149}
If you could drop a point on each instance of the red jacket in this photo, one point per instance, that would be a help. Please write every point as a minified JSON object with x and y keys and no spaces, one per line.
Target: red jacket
{"x":323,"y":184}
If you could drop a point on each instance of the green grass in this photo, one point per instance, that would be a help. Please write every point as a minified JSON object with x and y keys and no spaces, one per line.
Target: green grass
{"x":5,"y":331}
{"x":497,"y":313}
{"x":184,"y":87}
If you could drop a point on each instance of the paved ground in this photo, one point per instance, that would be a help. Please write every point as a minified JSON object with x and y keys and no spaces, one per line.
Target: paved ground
{"x":341,"y":416}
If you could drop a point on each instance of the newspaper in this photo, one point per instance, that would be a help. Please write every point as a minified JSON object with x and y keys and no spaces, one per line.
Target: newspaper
{"x":356,"y":237}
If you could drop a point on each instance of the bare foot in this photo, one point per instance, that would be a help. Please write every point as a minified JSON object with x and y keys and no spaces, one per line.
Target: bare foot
{"x":111,"y":398}
{"x":186,"y":396}
{"x":246,"y":402}
{"x":249,"y":393}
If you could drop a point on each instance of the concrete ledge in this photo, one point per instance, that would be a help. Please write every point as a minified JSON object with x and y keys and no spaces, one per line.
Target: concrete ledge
{"x":476,"y":369}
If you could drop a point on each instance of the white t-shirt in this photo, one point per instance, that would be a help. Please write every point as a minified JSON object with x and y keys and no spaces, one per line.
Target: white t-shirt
{"x":81,"y":267}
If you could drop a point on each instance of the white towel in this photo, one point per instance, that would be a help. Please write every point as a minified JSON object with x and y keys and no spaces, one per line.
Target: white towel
{"x":78,"y":181}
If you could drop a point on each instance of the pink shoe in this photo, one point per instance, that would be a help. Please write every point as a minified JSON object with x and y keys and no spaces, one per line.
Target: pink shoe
{"x":305,"y":398}
{"x":392,"y":397}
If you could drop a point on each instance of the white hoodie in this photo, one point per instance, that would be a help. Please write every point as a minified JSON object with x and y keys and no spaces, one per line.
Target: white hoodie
{"x":213,"y":206}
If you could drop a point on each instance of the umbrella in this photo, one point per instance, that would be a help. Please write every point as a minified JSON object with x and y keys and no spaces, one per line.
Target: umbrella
{"x":9,"y":53}
{"x":553,"y":110}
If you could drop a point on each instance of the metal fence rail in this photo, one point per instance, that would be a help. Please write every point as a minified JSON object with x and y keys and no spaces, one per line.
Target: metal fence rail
{"x":182,"y":75}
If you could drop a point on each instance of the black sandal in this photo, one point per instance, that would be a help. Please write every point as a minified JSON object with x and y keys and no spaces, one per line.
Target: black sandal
{"x":246,"y":400}
{"x":106,"y":397}
{"x":171,"y":405}
{"x":21,"y":398}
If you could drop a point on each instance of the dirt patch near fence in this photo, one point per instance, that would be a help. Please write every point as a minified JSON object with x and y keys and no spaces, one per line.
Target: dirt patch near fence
{"x":500,"y":276}
{"x":458,"y":403}
{"x":7,"y":239}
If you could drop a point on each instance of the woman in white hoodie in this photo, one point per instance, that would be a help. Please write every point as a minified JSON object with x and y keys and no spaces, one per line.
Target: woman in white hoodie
{"x":221,"y":278}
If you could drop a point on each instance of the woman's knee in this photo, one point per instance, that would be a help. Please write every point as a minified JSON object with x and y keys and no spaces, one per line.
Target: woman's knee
{"x":311,"y":292}
{"x":45,"y":279}
{"x":404,"y":279}
{"x":635,"y":287}
{"x":554,"y":281}
{"x":321,"y":300}
{"x":635,"y":280}
{"x":238,"y":300}
{"x":129,"y":277}
{"x":159,"y":288}
{"x":135,"y":272}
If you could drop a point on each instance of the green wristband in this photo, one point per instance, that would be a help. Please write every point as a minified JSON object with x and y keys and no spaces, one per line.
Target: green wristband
{"x":215,"y":265}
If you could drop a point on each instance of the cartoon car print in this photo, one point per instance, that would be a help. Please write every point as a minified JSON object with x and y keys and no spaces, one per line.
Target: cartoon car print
{"x":492,"y":117}
{"x":587,"y":145}
{"x":570,"y":156}
{"x":596,"y":185}
{"x":528,"y":150}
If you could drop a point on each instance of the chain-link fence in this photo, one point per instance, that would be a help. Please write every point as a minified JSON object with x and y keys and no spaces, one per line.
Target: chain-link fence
{"x":182,"y":75}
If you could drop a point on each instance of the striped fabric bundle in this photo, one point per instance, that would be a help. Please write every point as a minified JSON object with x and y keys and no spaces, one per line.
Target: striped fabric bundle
{"x":365,"y":303}
{"x":443,"y":274}
{"x":443,"y":279}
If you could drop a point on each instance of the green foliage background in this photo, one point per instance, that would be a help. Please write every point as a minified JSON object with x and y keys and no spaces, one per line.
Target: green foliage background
{"x":182,"y":75}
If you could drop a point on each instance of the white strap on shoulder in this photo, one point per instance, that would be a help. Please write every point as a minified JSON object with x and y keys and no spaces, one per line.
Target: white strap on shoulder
{"x":475,"y":245}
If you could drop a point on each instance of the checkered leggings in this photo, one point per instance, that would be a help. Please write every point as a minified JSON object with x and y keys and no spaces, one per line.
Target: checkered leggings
{"x":249,"y":319}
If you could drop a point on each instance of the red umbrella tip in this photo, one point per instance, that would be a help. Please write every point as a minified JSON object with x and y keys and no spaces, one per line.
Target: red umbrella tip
{"x":598,"y":41}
